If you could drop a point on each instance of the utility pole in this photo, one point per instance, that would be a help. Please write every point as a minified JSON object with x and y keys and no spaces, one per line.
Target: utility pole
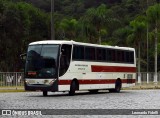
{"x":155,"y":75}
{"x":52,"y":21}
{"x":156,"y":38}
{"x":147,"y":50}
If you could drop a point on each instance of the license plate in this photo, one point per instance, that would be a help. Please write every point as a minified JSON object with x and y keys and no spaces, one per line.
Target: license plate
{"x":31,"y":81}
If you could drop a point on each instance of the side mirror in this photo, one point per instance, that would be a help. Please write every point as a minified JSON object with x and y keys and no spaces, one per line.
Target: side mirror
{"x":23,"y":56}
{"x":23,"y":59}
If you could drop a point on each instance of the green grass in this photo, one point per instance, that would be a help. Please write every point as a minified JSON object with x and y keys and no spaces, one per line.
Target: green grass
{"x":143,"y":86}
{"x":11,"y":90}
{"x":11,"y":87}
{"x":5,"y":89}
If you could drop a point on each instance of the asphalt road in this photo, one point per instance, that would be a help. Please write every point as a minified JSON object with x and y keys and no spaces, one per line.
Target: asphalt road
{"x":127,"y":99}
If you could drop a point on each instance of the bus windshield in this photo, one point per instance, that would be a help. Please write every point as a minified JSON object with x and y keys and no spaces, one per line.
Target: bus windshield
{"x":41,"y":61}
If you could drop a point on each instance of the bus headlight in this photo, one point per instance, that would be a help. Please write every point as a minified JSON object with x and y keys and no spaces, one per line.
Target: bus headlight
{"x":51,"y":82}
{"x":46,"y":81}
{"x":26,"y":82}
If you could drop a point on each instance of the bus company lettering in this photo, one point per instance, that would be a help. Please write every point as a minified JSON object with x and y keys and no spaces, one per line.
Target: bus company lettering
{"x":82,"y":65}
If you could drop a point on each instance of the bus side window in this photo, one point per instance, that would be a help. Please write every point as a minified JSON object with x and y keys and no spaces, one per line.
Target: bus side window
{"x":127,"y":57}
{"x":123,"y":57}
{"x":113,"y":55}
{"x":78,"y":52}
{"x":92,"y":54}
{"x":101,"y":54}
{"x":89,"y":53}
{"x":120,"y":58}
{"x":109,"y":55}
{"x":131,"y":56}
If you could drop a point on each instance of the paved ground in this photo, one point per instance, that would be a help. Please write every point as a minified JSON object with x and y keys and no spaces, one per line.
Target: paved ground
{"x":127,"y":99}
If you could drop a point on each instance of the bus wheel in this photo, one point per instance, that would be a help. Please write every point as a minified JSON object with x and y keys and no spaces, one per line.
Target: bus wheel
{"x":72,"y":88}
{"x":118,"y":86}
{"x":45,"y":93}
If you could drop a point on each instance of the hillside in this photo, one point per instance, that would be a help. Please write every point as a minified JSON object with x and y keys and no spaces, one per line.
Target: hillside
{"x":112,"y":22}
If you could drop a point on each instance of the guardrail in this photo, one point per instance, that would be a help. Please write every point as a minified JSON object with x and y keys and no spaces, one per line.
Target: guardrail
{"x":15,"y":79}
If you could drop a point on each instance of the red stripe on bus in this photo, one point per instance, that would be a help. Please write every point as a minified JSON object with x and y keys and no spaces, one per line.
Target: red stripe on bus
{"x":96,"y":68}
{"x":107,"y":81}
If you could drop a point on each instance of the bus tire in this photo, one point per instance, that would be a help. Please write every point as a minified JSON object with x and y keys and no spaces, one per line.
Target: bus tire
{"x":45,"y":93}
{"x":117,"y":88}
{"x":72,"y":88}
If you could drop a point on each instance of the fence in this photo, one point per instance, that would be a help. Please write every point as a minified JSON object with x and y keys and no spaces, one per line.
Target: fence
{"x":11,"y":79}
{"x":147,"y":80}
{"x":15,"y":79}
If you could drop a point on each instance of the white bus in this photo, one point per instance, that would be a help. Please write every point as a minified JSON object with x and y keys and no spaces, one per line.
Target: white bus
{"x":70,"y":66}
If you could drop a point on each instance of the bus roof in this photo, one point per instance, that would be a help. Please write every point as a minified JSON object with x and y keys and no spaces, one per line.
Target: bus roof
{"x":78,"y":43}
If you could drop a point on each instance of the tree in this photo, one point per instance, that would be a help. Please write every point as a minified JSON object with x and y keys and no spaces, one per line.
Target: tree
{"x":153,"y":15}
{"x":21,"y":24}
{"x":136,"y":37}
{"x":96,"y":17}
{"x":69,"y":28}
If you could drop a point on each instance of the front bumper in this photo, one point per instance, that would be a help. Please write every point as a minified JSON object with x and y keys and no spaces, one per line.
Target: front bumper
{"x":41,"y":87}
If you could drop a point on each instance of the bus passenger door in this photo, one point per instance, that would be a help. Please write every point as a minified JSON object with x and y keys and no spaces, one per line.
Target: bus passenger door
{"x":65,"y":58}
